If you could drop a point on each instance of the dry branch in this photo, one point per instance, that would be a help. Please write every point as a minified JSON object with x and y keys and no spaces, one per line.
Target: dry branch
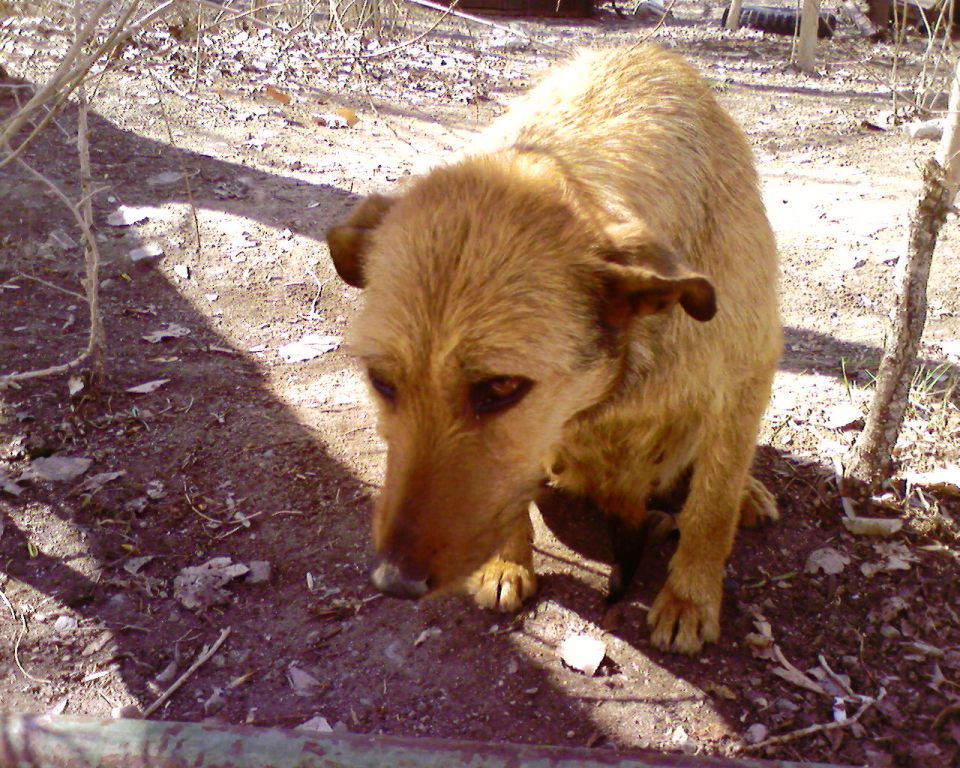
{"x":865,"y":703}
{"x":201,"y":660}
{"x":69,"y":78}
{"x":872,"y":454}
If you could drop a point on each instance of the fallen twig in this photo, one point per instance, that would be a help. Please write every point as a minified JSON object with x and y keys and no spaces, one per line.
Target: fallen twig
{"x":203,"y":658}
{"x":16,"y":652}
{"x":866,"y":703}
{"x":6,"y":602}
{"x":947,"y":711}
{"x":837,"y":679}
{"x":54,"y":286}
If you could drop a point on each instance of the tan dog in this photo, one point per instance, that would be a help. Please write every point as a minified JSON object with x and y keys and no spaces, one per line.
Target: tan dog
{"x":592,"y":291}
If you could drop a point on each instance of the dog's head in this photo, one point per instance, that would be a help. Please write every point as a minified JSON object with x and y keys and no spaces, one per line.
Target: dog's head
{"x":494,"y":314}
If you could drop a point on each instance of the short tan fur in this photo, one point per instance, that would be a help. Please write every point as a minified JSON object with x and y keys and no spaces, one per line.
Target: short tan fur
{"x":589,"y":294}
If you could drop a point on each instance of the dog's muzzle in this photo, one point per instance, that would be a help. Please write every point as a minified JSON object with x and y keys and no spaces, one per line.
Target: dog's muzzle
{"x":390,"y":580}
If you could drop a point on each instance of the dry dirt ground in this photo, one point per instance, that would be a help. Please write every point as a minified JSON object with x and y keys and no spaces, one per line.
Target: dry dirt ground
{"x":241,"y":453}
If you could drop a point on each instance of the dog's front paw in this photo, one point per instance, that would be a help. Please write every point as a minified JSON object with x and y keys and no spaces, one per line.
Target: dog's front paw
{"x":683,"y":624}
{"x":502,"y":584}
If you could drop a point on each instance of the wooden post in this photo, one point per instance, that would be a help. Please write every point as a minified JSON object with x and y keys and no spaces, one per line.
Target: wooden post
{"x":83,"y":742}
{"x":733,"y":15}
{"x":807,"y":47}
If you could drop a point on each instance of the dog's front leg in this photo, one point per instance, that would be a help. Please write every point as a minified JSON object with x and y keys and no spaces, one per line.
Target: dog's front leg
{"x":507,"y":578}
{"x":686,"y":612}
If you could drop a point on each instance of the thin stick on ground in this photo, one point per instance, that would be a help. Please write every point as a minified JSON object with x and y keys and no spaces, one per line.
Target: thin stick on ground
{"x":201,"y":660}
{"x":16,"y":652}
{"x":52,"y":286}
{"x":866,"y":703}
{"x":6,"y":602}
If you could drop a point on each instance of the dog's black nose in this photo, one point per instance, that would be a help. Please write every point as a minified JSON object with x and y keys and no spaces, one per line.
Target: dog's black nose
{"x":390,"y":580}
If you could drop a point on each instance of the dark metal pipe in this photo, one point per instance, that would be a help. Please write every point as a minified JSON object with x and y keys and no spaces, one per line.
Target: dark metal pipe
{"x":31,"y":741}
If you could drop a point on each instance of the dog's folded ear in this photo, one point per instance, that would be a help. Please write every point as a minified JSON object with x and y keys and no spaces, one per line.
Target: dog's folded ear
{"x":641,"y":276}
{"x":349,"y":241}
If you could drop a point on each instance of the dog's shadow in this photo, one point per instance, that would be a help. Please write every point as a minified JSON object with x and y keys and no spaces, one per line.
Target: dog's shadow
{"x":573,"y":544}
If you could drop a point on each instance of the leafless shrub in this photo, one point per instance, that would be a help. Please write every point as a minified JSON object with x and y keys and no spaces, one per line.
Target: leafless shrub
{"x":95,"y":30}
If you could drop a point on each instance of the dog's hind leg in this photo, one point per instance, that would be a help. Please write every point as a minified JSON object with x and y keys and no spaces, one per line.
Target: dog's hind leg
{"x":628,"y":542}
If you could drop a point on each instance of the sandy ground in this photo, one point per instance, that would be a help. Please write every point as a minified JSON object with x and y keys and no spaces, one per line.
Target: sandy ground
{"x":242,"y":454}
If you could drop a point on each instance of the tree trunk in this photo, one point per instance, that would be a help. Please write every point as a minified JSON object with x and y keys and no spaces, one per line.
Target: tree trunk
{"x":872,"y":454}
{"x":807,"y":48}
{"x":870,"y":459}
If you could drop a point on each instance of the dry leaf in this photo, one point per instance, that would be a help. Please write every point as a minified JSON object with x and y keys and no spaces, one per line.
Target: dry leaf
{"x":126,"y":216}
{"x":56,"y":469}
{"x":317,"y":724}
{"x":96,"y":482}
{"x":259,"y":572}
{"x":426,"y":635}
{"x":944,"y":480}
{"x":166,"y":177}
{"x":842,"y":416}
{"x":147,"y":387}
{"x":828,"y":560}
{"x":201,"y":586}
{"x":303,"y":683}
{"x":721,"y":691}
{"x":172,"y":331}
{"x":872,"y":526}
{"x":8,"y":486}
{"x":134,"y":564}
{"x":348,"y":115}
{"x":148,"y":252}
{"x":277,"y":95}
{"x":309,"y":347}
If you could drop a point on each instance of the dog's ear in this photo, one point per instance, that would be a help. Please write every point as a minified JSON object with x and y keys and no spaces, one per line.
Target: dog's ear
{"x":349,"y":241}
{"x":641,"y":276}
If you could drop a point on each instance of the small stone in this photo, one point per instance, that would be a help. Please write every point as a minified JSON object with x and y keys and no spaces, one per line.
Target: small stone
{"x":259,"y":572}
{"x":65,"y":624}
{"x":924,"y":130}
{"x":126,"y":712}
{"x":583,"y":653}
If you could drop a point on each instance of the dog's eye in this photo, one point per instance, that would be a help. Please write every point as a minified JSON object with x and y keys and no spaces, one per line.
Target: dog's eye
{"x":385,"y":389}
{"x":498,"y":393}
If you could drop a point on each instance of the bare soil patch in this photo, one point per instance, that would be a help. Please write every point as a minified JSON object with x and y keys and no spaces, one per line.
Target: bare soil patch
{"x":243,"y":454}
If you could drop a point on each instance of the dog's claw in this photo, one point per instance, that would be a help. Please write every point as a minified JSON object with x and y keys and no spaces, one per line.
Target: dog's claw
{"x":502,"y":585}
{"x":681,"y":625}
{"x":757,"y":505}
